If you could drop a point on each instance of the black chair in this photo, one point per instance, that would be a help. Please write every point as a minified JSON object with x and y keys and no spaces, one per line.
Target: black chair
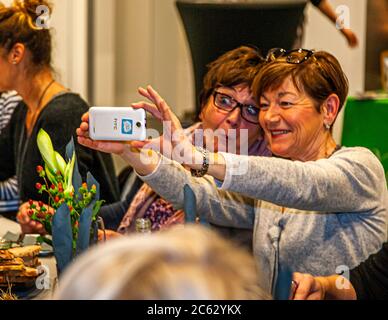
{"x":214,"y":28}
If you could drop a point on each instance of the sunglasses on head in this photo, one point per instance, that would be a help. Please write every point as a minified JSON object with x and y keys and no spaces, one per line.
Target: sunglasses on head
{"x":295,"y":56}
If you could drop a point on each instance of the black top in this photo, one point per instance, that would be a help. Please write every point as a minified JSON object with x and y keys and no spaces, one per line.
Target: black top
{"x":316,"y":2}
{"x":370,"y":278}
{"x":20,"y":155}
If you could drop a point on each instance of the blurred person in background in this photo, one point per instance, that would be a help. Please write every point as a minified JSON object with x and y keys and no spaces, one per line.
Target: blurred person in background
{"x":9,"y":195}
{"x":182,"y":263}
{"x":25,"y":66}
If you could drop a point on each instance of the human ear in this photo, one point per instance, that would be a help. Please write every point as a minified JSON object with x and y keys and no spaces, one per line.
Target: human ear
{"x":17,"y":53}
{"x":330,"y":110}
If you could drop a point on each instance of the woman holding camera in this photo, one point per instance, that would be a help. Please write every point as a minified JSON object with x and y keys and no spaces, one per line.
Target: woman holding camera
{"x":316,"y":206}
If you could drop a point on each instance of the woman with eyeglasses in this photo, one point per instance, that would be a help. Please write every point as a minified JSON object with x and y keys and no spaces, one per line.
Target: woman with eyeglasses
{"x":227,"y":105}
{"x":317,"y":206}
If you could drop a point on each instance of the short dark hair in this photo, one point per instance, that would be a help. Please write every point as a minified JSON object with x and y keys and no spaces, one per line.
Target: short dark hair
{"x":238,"y":66}
{"x":17,"y":25}
{"x":318,"y":77}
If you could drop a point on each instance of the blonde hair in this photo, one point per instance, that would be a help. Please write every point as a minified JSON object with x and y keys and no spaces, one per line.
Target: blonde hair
{"x":18,"y":24}
{"x":181,"y":263}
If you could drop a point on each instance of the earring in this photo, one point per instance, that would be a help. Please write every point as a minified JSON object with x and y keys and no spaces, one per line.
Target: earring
{"x":327,"y":126}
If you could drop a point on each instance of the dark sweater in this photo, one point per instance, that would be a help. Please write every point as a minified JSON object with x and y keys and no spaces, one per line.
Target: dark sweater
{"x":20,"y":155}
{"x":370,"y":278}
{"x":316,"y":2}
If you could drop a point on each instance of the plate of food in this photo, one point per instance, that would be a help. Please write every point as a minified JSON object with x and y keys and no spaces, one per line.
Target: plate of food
{"x":19,"y":271}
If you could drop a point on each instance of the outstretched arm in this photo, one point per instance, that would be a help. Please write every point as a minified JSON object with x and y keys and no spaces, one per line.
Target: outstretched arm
{"x":167,"y":177}
{"x":326,"y":8}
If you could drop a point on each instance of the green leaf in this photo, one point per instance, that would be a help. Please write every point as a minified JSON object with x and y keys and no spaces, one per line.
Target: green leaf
{"x":50,"y":175}
{"x":69,"y":176}
{"x":42,"y":239}
{"x":47,"y":150}
{"x":97,"y":207}
{"x":61,"y":163}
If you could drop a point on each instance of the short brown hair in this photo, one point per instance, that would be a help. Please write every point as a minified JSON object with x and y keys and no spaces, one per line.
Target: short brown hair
{"x":319,"y":77}
{"x":238,"y":66}
{"x":18,"y":25}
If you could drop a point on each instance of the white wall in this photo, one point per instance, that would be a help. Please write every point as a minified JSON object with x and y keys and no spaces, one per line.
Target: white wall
{"x":172,"y":60}
{"x":69,"y":23}
{"x":104,"y":53}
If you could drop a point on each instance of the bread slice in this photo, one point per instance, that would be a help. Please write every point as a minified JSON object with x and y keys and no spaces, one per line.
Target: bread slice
{"x":15,"y":267}
{"x":13,"y":262}
{"x":19,"y":276}
{"x":25,"y":252}
{"x":5,"y":255}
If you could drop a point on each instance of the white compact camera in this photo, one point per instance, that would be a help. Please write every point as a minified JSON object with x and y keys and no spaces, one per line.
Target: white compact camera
{"x":117,"y":124}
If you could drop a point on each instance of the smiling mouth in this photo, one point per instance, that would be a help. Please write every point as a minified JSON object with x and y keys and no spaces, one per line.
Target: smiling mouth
{"x":278,"y":133}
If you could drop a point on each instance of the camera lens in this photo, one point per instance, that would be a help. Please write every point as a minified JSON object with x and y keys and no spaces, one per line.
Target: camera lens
{"x":138,"y":124}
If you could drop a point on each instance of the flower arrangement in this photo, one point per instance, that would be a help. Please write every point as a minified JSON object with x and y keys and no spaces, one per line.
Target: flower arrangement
{"x":71,"y":213}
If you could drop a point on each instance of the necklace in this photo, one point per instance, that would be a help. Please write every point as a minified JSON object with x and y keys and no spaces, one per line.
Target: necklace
{"x":43,"y":94}
{"x":30,"y":124}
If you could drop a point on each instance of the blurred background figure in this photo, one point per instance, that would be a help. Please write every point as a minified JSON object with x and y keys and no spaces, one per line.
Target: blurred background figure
{"x":181,"y":263}
{"x":325,"y":7}
{"x":26,"y":67}
{"x":9,"y":195}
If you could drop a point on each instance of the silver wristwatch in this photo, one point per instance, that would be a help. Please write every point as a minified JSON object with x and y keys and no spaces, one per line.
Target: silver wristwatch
{"x":205,"y":164}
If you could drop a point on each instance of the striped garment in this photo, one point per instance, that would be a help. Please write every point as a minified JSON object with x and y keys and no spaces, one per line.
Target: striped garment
{"x":9,"y":195}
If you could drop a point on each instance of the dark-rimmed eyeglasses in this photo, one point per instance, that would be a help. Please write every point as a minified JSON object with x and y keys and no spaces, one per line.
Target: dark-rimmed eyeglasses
{"x":223,"y":102}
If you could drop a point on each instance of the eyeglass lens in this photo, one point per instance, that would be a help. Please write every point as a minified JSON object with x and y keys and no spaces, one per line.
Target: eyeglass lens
{"x":248,"y":112}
